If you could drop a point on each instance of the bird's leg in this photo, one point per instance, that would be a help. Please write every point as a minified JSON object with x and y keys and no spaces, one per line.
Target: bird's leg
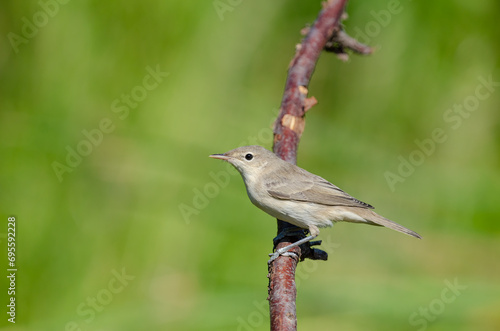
{"x":285,"y":249}
{"x":314,"y":233}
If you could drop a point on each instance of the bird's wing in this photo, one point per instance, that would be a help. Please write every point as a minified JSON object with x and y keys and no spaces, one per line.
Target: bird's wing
{"x":311,"y":188}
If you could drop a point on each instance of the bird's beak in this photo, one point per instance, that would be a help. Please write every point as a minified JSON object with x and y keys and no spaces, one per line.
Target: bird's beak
{"x":219,"y":156}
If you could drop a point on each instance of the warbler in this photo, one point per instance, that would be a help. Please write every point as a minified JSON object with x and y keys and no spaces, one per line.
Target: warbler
{"x":292,"y":194}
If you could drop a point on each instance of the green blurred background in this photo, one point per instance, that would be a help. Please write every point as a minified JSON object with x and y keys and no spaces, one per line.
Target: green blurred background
{"x":145,"y":232}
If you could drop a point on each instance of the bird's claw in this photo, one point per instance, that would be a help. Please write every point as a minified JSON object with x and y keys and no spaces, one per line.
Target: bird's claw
{"x":281,"y":252}
{"x":273,"y":256}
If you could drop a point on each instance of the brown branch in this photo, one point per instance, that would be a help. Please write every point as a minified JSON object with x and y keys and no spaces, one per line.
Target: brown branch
{"x":341,"y":40}
{"x":326,"y":33}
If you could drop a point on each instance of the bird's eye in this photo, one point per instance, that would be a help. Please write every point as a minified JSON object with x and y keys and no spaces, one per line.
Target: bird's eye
{"x":249,"y":157}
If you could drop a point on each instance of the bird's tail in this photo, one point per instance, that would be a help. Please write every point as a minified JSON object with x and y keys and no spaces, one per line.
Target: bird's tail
{"x":375,"y":219}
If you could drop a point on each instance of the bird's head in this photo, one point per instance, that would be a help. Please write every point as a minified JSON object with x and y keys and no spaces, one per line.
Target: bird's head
{"x":248,"y":160}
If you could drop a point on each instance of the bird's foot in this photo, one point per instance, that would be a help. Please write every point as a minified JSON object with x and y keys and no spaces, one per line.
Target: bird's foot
{"x":275,"y":255}
{"x":284,"y":250}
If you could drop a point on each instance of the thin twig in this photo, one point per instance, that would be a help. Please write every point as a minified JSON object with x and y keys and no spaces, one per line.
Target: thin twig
{"x":288,"y":127}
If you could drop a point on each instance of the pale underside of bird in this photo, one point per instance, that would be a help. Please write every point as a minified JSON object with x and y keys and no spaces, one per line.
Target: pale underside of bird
{"x":292,"y":194}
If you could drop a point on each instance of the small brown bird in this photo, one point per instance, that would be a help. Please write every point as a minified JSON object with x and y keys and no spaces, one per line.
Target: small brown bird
{"x":297,"y":196}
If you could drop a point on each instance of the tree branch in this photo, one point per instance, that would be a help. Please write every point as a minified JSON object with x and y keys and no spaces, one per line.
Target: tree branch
{"x":326,"y":33}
